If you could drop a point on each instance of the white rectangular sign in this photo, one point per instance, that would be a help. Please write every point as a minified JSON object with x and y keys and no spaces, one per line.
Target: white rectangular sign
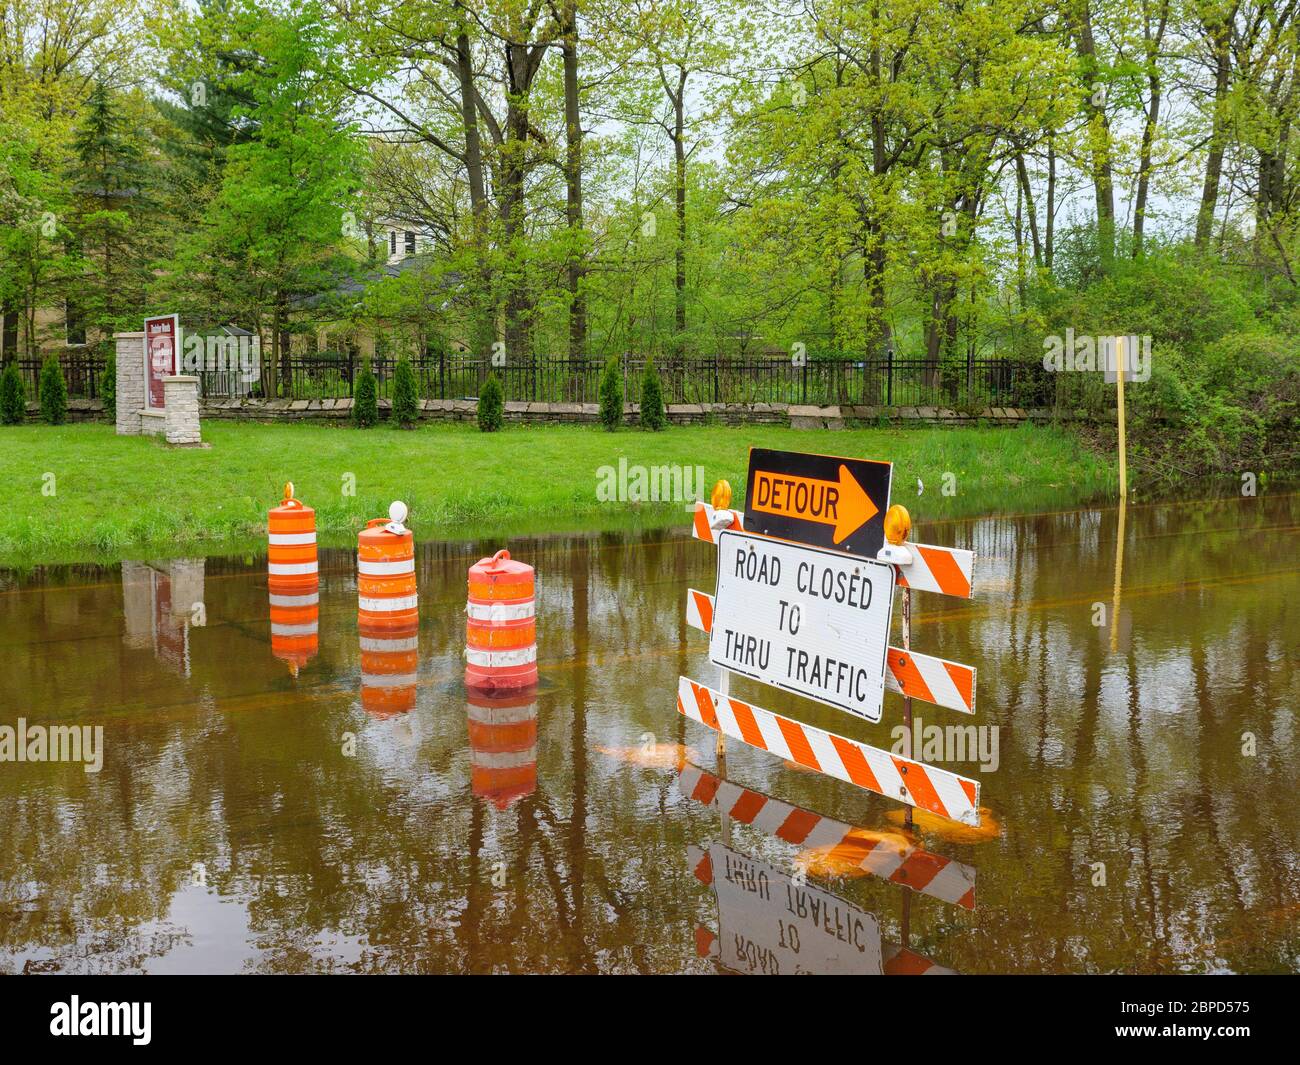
{"x":769,"y":924}
{"x":810,"y":621}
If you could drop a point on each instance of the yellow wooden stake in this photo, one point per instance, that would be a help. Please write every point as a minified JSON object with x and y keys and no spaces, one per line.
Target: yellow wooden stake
{"x":1119,"y":395}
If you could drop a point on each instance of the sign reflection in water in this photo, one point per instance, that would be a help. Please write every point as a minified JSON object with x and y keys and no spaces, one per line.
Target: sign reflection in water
{"x":773,"y":923}
{"x":160,"y":601}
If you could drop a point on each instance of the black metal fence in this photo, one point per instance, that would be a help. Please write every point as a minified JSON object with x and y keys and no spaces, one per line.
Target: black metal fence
{"x":82,"y":371}
{"x":897,"y":382}
{"x":689,"y":379}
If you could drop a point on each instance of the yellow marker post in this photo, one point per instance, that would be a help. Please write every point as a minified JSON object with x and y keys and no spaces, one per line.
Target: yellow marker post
{"x":1119,"y":396}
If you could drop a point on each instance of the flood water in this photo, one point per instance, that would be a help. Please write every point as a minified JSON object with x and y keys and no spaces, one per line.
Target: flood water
{"x":254,"y":813}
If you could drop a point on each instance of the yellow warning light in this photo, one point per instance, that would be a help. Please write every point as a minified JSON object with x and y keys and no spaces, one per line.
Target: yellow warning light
{"x":288,"y":491}
{"x":898,"y":523}
{"x":721,"y":498}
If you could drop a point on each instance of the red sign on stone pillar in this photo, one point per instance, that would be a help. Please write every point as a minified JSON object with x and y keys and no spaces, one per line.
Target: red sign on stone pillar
{"x":162,"y":346}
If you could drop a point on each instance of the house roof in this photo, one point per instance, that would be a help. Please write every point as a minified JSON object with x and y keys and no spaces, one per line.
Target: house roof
{"x":353,"y":283}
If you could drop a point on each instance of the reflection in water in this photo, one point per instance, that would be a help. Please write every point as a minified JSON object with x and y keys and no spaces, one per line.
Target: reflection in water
{"x":160,"y":601}
{"x":390,"y":661}
{"x":502,"y":745}
{"x":295,"y":621}
{"x":771,"y":924}
{"x":831,"y":848}
{"x":386,"y":861}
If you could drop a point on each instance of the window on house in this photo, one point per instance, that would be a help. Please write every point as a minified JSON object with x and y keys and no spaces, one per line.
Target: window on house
{"x":410,"y":242}
{"x":392,"y":242}
{"x":75,"y":324}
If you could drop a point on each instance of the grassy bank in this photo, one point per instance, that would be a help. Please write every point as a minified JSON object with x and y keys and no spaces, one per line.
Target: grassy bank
{"x":78,"y":492}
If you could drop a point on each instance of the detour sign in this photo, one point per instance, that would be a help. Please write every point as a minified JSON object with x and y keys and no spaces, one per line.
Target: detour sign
{"x":820,"y":500}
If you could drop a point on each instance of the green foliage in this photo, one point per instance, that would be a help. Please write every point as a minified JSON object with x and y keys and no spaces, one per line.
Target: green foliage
{"x":13,"y":395}
{"x":1225,"y":363}
{"x":611,"y":394}
{"x":652,"y":399}
{"x":53,"y":392}
{"x":365,"y":398}
{"x":406,"y":394}
{"x":491,"y":405}
{"x":108,"y":384}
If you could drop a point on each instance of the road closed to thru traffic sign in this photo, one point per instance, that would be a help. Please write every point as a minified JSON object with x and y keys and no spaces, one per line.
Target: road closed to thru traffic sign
{"x":810,"y":621}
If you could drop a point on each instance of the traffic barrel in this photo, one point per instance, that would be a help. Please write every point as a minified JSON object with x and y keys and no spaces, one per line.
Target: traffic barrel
{"x":386,"y":596}
{"x":502,"y":746}
{"x":500,"y":626}
{"x":291,"y":544}
{"x":295,"y":624}
{"x":390,"y":659}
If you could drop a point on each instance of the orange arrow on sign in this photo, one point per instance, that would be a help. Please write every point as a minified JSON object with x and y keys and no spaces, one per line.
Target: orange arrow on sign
{"x":843,"y":504}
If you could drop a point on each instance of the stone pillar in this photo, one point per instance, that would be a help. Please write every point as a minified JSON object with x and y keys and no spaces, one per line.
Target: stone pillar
{"x":181,"y":405}
{"x":130,"y":382}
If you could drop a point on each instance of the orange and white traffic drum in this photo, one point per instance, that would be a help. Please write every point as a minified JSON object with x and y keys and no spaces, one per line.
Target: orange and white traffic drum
{"x":291,"y":543}
{"x":501,"y":625}
{"x":386,"y":596}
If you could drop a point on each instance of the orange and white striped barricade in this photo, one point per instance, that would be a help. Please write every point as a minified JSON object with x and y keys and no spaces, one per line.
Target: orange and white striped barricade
{"x":501,"y":625}
{"x":887,"y":855}
{"x":502,"y":746}
{"x":926,"y":787}
{"x":386,"y":591}
{"x":709,"y":520}
{"x":291,"y":544}
{"x":947,"y":570}
{"x":934,"y":680}
{"x":295,"y":624}
{"x":390,"y":662}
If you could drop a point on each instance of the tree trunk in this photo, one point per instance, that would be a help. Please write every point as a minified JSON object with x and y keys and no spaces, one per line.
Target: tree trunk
{"x":573,"y":184}
{"x":483,"y":325}
{"x":679,"y":190}
{"x":1152,"y":44}
{"x":1219,"y":37}
{"x":1049,"y":236}
{"x":1022,"y":173}
{"x":1103,"y":182}
{"x":521,"y":65}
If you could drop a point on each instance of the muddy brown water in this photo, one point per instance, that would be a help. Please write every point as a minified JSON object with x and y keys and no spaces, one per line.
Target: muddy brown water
{"x":246,"y":819}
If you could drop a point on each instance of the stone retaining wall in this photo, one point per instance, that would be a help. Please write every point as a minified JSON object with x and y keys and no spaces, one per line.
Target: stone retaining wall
{"x":798,"y":417}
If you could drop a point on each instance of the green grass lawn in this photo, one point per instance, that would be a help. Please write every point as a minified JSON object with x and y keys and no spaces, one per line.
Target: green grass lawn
{"x":112,"y":497}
